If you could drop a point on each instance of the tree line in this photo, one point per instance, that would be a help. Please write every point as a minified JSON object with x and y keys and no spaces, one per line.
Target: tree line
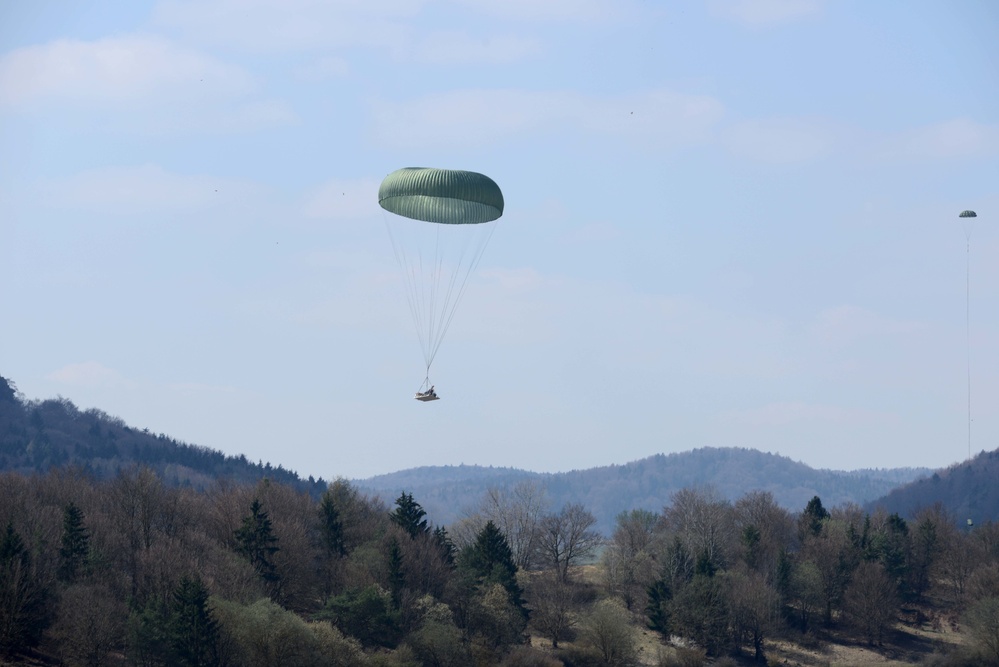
{"x":133,"y":571}
{"x":38,"y":435}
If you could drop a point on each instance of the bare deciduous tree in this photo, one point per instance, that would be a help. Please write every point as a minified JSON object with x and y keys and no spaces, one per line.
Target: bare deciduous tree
{"x":608,"y":630}
{"x":871,"y":601}
{"x":755,"y":609}
{"x":982,"y":620}
{"x":806,"y":593}
{"x":704,"y":522}
{"x":960,"y":557}
{"x":630,"y":561}
{"x":765,"y":530}
{"x":551,"y":604}
{"x":832,"y":553}
{"x":90,"y":625}
{"x":566,"y":537}
{"x":517,"y":511}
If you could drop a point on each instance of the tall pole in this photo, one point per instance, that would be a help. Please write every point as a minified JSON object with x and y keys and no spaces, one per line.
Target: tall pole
{"x":967,"y":308}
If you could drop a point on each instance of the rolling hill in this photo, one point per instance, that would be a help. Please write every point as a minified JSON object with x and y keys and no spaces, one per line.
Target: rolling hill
{"x":968,"y":490}
{"x":38,"y":435}
{"x":447,"y":492}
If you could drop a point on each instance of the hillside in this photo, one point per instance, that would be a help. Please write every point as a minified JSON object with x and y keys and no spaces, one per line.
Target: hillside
{"x":36,"y":436}
{"x":449,"y":491}
{"x":968,"y":490}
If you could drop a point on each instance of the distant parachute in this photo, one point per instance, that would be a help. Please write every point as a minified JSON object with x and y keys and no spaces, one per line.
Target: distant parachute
{"x":439,"y":230}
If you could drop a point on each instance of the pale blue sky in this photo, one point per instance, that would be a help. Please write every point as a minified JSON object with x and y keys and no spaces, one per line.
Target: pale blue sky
{"x":728,"y":223}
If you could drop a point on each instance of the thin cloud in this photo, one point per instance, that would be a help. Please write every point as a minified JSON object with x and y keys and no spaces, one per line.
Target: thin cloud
{"x":781,"y":140}
{"x":465,"y":49}
{"x":127,"y":190}
{"x":322,"y":69}
{"x":758,"y":13}
{"x":303,"y":25}
{"x":290,"y":25}
{"x":955,"y":138}
{"x":588,"y":11}
{"x":790,"y":412}
{"x":90,"y":374}
{"x":847,"y":324}
{"x":174,"y":88}
{"x":654,"y":120}
{"x":594,"y":232}
{"x":131,"y":70}
{"x":340,"y":199}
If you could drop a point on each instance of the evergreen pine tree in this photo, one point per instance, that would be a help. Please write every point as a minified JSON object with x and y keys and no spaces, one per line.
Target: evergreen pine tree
{"x":12,"y":547}
{"x":397,"y":578}
{"x":705,"y":566}
{"x":444,"y":543}
{"x":410,"y":515}
{"x":751,"y":538}
{"x":148,"y":631}
{"x":782,"y":575}
{"x":657,"y":609}
{"x":193,"y":629}
{"x":331,"y":526}
{"x":813,"y":516}
{"x":75,"y":544}
{"x":491,"y":561}
{"x":892,"y":547}
{"x":256,"y":542}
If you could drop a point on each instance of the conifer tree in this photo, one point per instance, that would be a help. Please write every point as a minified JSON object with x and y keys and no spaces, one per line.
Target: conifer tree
{"x":812,"y":517}
{"x":491,"y":561}
{"x":705,"y":565}
{"x":331,"y":526}
{"x":397,"y":578}
{"x":148,"y":631}
{"x":444,"y":543}
{"x":410,"y":515}
{"x":194,"y":630}
{"x":657,"y":610}
{"x":256,"y":542}
{"x":75,"y":543}
{"x":12,"y":547}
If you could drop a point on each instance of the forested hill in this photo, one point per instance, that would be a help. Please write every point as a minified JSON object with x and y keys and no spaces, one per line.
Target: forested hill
{"x":968,"y":490}
{"x":450,"y":491}
{"x":36,"y":436}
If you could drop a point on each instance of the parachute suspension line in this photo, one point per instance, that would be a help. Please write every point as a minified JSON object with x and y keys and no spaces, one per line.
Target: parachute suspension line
{"x":450,"y":305}
{"x":967,"y":220}
{"x":410,"y":271}
{"x":435,"y":284}
{"x":967,"y":322}
{"x":447,"y":314}
{"x":432,"y":296}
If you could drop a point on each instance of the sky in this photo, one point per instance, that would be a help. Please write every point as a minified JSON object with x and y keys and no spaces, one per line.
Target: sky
{"x":728,"y":223}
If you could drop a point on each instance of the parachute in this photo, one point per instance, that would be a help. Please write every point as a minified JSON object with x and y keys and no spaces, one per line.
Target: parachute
{"x":439,"y":223}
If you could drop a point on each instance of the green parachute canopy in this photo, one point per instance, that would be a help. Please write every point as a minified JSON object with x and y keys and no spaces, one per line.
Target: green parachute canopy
{"x":436,"y":260}
{"x":968,"y":214}
{"x":447,"y":196}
